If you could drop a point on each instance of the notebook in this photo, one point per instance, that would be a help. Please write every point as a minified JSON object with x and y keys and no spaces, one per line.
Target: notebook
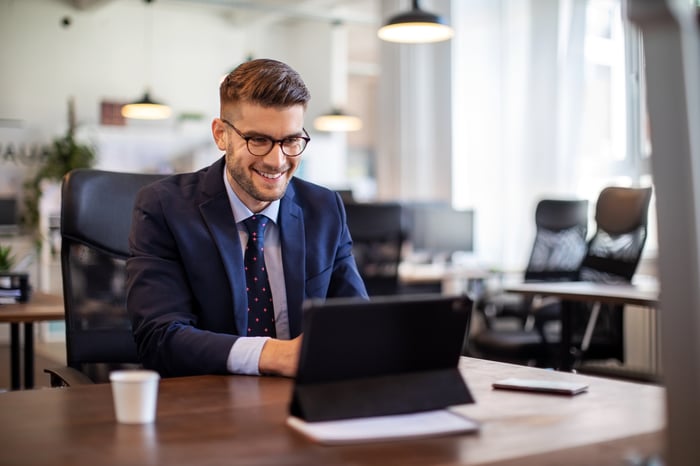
{"x":377,"y":361}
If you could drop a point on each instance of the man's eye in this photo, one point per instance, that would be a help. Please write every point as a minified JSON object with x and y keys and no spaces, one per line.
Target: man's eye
{"x":259,"y":140}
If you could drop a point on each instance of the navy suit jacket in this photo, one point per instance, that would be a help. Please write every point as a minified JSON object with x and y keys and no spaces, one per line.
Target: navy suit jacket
{"x":185,"y":280}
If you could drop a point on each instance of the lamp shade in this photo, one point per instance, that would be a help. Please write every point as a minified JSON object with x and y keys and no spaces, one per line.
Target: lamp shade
{"x":337,"y":121}
{"x":415,"y":26}
{"x":146,"y":109}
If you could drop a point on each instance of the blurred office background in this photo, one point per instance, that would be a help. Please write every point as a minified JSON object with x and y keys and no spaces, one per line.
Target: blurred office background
{"x":530,"y":99}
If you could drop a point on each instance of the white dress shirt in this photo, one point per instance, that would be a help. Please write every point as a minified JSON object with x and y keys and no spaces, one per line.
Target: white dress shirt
{"x":245,"y":352}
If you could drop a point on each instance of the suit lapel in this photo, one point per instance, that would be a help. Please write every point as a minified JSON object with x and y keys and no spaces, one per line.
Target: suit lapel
{"x":217,"y":214}
{"x":293,"y":257}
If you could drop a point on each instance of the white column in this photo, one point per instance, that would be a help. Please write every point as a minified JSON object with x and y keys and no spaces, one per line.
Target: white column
{"x":414,"y":148}
{"x":672,"y":48}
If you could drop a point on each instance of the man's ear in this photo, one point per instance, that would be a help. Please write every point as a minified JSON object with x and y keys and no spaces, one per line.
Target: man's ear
{"x":219,"y":133}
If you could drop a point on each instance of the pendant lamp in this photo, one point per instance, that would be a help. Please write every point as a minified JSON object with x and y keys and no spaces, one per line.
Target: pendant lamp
{"x":336,"y":120}
{"x":145,"y":108}
{"x":415,"y":26}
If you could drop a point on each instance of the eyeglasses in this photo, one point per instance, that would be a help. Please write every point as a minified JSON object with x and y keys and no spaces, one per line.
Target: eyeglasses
{"x":260,"y":146}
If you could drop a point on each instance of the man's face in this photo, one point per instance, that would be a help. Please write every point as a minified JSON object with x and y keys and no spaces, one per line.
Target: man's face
{"x":258,"y":180}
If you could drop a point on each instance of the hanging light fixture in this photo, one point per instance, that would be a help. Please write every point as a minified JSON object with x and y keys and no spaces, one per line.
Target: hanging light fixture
{"x":336,"y":120}
{"x":145,"y":108}
{"x":416,"y":26}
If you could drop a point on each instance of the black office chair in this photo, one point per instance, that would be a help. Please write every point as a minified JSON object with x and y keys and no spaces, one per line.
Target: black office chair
{"x":96,"y":210}
{"x":612,"y":256}
{"x":515,"y":326}
{"x":378,"y":236}
{"x":557,"y":251}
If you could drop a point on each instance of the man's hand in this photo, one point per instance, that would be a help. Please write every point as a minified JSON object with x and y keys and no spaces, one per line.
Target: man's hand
{"x":280,"y":357}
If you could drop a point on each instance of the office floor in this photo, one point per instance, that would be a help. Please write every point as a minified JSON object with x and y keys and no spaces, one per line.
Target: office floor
{"x":46,"y":355}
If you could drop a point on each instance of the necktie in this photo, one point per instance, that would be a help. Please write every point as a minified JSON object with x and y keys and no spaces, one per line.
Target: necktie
{"x":261,"y":313}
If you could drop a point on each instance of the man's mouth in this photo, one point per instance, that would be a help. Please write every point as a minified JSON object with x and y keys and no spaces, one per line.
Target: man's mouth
{"x":269,"y":176}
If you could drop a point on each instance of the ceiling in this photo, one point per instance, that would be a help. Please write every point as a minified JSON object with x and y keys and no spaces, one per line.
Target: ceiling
{"x":348,"y":11}
{"x":362,"y":17}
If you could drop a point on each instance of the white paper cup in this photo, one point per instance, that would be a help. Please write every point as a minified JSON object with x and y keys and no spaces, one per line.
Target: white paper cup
{"x":135,"y":394}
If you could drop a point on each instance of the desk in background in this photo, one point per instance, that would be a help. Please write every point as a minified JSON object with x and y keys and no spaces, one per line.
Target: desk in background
{"x":645,"y":294}
{"x":241,"y":420}
{"x":444,"y":277}
{"x":41,"y":307}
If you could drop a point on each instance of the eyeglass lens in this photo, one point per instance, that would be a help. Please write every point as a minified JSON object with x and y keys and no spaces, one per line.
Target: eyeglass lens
{"x":259,"y":145}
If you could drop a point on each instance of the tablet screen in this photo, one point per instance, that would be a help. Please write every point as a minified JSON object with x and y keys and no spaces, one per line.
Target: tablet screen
{"x":350,"y":338}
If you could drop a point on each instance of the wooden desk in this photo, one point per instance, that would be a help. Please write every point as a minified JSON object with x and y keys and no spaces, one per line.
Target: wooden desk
{"x":644,"y":294}
{"x":241,"y":420}
{"x":40,"y":307}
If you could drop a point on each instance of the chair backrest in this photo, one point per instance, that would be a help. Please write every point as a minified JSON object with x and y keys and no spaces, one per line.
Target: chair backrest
{"x":615,"y":249}
{"x":612,"y":256}
{"x":560,"y":240}
{"x":378,"y":235}
{"x":96,"y":211}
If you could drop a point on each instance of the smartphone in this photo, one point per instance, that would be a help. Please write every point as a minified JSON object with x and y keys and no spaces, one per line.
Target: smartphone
{"x":544,"y":386}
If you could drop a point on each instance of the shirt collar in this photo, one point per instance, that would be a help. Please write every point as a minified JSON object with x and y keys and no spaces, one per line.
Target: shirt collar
{"x":241,"y":212}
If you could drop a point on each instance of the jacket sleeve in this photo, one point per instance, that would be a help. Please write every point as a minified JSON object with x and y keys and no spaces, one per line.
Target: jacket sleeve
{"x":165,"y":312}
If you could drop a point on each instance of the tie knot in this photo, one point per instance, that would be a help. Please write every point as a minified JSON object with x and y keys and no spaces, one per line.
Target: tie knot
{"x":256,"y":225}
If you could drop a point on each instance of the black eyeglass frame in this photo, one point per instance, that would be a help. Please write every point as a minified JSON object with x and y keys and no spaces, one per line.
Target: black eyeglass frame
{"x":247,"y":139}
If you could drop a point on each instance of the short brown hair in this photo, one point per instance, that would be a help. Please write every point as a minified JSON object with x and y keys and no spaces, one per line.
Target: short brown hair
{"x":265,"y":82}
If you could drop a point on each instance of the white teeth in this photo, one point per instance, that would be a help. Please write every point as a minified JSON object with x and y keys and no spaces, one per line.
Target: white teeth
{"x":271,"y":176}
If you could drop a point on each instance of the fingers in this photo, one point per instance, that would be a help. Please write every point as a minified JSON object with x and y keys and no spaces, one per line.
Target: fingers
{"x":280,"y":357}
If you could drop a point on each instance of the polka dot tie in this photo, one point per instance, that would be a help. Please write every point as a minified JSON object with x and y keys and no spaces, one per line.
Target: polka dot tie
{"x":261,"y":313}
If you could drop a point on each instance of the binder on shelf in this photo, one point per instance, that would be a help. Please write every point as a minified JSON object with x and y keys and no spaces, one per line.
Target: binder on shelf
{"x":386,"y":356}
{"x":14,"y":287}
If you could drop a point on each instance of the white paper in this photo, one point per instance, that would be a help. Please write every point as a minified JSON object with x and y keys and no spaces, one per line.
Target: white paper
{"x":423,"y":424}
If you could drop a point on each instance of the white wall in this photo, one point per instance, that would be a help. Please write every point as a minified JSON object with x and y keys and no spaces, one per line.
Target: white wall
{"x":104,"y":55}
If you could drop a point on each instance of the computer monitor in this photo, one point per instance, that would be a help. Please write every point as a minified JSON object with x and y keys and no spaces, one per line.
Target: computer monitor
{"x":440,"y":230}
{"x":8,"y":216}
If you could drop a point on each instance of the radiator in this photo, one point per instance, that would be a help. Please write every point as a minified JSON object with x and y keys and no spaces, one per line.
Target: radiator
{"x":643,"y":339}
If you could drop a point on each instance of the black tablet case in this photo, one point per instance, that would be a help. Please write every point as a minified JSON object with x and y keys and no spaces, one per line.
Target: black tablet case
{"x":390,"y":355}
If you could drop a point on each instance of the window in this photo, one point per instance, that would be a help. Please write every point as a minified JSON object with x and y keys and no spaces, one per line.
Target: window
{"x":549,"y":105}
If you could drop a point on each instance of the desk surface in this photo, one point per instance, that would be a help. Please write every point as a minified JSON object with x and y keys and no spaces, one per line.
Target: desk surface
{"x":436,"y":273}
{"x":240,"y":420}
{"x":40,"y":307}
{"x":646,"y":294}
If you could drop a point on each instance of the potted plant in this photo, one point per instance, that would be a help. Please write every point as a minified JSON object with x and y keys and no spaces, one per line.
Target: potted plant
{"x":7,"y":259}
{"x":61,"y":156}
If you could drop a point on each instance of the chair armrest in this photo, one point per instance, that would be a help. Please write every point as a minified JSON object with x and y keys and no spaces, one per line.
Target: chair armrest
{"x":67,"y":377}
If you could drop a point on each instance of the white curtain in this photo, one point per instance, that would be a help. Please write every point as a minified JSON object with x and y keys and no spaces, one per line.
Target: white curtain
{"x":517,"y":104}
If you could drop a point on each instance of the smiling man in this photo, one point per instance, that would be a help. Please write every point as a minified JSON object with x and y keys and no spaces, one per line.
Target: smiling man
{"x":222,"y":259}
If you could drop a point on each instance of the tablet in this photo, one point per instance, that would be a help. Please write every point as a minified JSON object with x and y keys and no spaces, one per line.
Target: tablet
{"x":349,"y":338}
{"x":380,"y":357}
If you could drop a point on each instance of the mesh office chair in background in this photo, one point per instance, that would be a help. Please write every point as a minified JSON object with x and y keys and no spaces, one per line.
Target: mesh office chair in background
{"x":514,"y":325}
{"x":96,"y":210}
{"x":612,"y":256}
{"x":557,"y":251}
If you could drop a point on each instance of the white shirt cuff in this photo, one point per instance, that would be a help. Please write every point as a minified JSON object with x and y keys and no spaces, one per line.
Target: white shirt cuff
{"x":244,"y":356}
